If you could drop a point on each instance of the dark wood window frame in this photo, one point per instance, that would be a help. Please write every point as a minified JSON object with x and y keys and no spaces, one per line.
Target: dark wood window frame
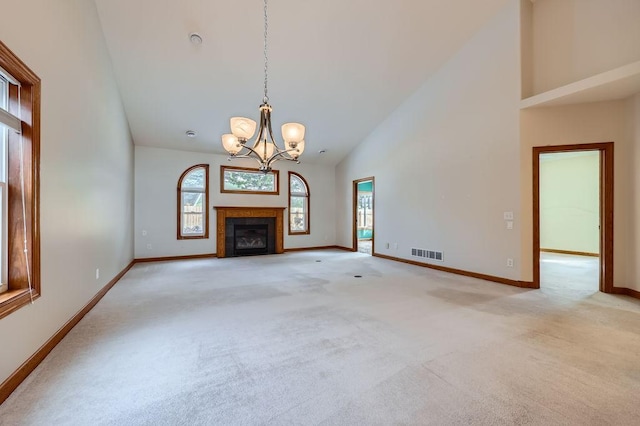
{"x":206,"y":207}
{"x":308,"y":211}
{"x":276,"y":174}
{"x":28,"y":109}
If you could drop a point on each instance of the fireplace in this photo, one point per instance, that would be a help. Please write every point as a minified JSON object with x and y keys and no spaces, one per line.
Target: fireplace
{"x":246,"y":236}
{"x":247,"y":231}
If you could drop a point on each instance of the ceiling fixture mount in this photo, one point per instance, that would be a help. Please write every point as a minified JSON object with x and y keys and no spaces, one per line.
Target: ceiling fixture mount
{"x":264,"y":149}
{"x":191,"y":133}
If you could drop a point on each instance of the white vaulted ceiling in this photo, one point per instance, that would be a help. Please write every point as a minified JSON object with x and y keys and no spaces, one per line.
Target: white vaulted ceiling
{"x":337,"y":66}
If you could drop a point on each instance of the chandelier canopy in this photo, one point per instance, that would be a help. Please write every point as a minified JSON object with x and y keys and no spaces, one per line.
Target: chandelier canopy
{"x":264,"y":148}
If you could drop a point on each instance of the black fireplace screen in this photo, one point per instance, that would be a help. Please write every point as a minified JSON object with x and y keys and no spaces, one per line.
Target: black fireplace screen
{"x":250,"y":237}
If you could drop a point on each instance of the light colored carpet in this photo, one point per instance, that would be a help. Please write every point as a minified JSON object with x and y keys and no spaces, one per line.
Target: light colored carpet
{"x":571,"y":276}
{"x":296,"y":339}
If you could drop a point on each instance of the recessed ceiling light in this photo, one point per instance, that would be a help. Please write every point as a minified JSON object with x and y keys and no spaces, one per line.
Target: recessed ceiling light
{"x":195,"y":38}
{"x":191,"y":133}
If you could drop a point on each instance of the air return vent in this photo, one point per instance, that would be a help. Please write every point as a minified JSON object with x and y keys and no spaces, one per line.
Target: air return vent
{"x":428,"y":254}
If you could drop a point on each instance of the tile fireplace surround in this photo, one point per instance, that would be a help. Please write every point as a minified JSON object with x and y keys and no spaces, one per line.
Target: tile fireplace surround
{"x":247,"y":212}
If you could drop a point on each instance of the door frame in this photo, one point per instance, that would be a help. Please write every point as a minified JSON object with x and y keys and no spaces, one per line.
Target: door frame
{"x":354,"y":222}
{"x":606,"y":208}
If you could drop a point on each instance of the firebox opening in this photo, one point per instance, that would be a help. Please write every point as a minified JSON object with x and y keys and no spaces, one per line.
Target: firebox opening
{"x":250,"y":239}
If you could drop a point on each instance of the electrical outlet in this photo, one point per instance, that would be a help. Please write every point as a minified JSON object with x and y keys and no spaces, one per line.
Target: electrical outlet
{"x":510,"y":262}
{"x":508,"y":215}
{"x":509,"y":224}
{"x":97,"y":273}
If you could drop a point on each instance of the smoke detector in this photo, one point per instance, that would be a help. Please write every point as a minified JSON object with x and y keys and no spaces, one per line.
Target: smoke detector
{"x":195,"y":38}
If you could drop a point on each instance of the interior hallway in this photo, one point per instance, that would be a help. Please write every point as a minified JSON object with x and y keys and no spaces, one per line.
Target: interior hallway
{"x":297,"y":339}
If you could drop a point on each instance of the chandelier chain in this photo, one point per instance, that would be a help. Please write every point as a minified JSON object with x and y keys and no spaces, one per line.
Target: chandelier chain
{"x":266,"y":62}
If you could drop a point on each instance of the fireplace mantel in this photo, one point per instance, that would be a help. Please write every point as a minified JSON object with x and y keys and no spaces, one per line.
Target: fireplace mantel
{"x":224,"y":212}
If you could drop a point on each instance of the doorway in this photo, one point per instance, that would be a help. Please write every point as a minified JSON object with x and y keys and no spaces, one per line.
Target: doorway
{"x":571,"y":234}
{"x":363,"y":215}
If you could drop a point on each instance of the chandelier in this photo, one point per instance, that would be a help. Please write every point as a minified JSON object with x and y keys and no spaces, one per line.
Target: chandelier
{"x":264,"y":148}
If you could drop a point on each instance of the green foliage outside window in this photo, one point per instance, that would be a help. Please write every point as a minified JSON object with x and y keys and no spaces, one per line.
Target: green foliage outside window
{"x":244,"y":180}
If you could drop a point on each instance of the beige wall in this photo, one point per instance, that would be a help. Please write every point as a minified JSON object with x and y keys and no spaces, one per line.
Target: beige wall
{"x":526,"y":48}
{"x":575,"y":39}
{"x":446,"y":161}
{"x":633,"y":194}
{"x":86,"y":171}
{"x":156,"y":177}
{"x":576,"y":124}
{"x":570,"y":201}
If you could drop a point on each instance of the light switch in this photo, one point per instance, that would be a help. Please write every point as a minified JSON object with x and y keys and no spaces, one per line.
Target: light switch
{"x":509,"y":224}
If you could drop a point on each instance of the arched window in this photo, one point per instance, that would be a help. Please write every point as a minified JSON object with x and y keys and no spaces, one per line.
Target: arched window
{"x":298,"y":205}
{"x":193,"y":203}
{"x":19,"y":183}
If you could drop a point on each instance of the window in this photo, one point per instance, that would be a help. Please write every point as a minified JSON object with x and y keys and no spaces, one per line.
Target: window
{"x":298,"y":205}
{"x":193,"y":203}
{"x":4,"y":133}
{"x":239,"y":180}
{"x":19,"y":183}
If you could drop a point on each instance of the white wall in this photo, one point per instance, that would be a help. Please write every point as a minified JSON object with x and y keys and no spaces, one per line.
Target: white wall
{"x":158,"y":170}
{"x":584,"y":123}
{"x":575,"y":39}
{"x":570,"y":201}
{"x":446,"y":161}
{"x":86,"y":172}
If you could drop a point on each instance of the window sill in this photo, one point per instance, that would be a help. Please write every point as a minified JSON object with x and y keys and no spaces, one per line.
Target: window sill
{"x":13,"y":300}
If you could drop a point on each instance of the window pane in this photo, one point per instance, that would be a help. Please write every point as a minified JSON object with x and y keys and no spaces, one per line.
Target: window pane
{"x":298,"y":214}
{"x":192,"y":202}
{"x":193,"y":213}
{"x":297,"y":186}
{"x":192,"y":224}
{"x":238,"y":180}
{"x":194,"y":179}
